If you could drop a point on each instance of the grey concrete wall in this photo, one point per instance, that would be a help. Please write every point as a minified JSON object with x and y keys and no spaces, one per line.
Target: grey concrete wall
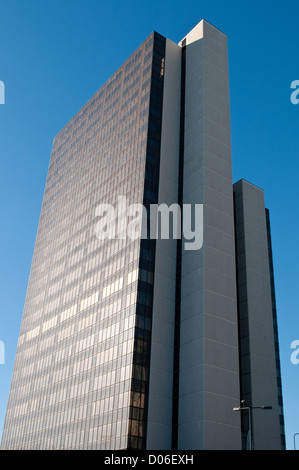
{"x":159,"y":431}
{"x":209,"y":369}
{"x":258,"y":366}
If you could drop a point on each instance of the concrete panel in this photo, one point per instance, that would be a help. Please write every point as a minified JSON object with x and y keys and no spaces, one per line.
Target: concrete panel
{"x":257,"y":346}
{"x":207,"y":178}
{"x":159,"y":430}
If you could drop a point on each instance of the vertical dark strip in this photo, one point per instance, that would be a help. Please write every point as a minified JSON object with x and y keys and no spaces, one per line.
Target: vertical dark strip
{"x":242,"y":311}
{"x":138,"y":416}
{"x":243,"y":432}
{"x":275,"y":329}
{"x":176,"y":358}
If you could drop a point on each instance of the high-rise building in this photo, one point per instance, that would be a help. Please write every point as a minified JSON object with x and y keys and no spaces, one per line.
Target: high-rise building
{"x":259,"y":353}
{"x":149,"y":342}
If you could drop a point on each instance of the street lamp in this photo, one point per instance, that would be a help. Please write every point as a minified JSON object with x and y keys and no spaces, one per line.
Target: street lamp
{"x":245,"y":406}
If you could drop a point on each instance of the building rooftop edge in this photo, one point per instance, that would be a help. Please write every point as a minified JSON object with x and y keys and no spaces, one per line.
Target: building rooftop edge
{"x":242,"y":180}
{"x":200,"y":26}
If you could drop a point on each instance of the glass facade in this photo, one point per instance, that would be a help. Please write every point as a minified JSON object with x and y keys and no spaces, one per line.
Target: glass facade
{"x":144,"y":306}
{"x":80,"y":378}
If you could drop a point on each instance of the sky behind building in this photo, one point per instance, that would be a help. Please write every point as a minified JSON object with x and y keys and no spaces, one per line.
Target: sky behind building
{"x":55,"y":55}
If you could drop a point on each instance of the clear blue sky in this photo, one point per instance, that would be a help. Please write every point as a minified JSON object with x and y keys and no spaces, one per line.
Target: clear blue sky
{"x":55,"y":54}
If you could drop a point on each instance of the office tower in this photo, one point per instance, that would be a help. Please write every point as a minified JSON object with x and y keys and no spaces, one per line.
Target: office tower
{"x":259,"y":354}
{"x":130,"y":342}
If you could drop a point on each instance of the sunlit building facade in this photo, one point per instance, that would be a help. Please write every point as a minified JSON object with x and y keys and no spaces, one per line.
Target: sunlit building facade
{"x":130,"y":343}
